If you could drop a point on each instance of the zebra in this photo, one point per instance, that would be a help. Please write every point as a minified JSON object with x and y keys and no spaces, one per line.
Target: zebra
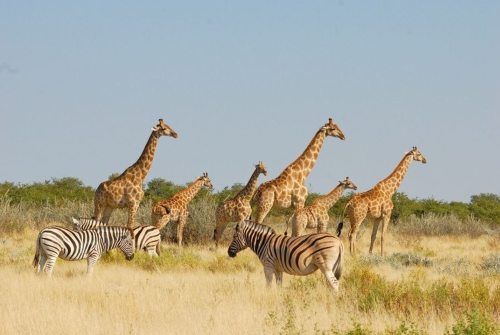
{"x":146,"y":238}
{"x":55,"y":241}
{"x":301,"y":255}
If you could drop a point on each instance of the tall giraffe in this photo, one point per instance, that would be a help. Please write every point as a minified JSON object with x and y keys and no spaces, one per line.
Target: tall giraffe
{"x":377,"y":203}
{"x":316,"y":215}
{"x":237,"y":208}
{"x":175,"y":209}
{"x":126,"y":189}
{"x":290,"y":186}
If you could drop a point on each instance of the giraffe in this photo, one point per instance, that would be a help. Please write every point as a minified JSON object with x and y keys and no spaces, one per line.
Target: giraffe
{"x":237,"y":208}
{"x":290,"y":186}
{"x":316,"y":215}
{"x":175,"y":209}
{"x":126,"y":189}
{"x":377,"y":203}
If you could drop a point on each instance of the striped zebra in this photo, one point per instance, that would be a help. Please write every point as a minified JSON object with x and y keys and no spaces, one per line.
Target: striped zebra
{"x":301,"y":255}
{"x":53,"y":242}
{"x":146,"y":238}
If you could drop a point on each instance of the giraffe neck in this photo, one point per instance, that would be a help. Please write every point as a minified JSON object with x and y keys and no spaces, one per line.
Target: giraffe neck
{"x":141,"y":167}
{"x":331,"y":198}
{"x":303,"y":165}
{"x":247,"y":192}
{"x":392,"y":182}
{"x":188,"y":194}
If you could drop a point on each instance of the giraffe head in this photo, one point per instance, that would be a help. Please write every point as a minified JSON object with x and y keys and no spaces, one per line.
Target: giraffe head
{"x":206,"y":181}
{"x":347,"y":183}
{"x":331,"y":129}
{"x":163,"y":129}
{"x":417,"y":156}
{"x":262,"y":168}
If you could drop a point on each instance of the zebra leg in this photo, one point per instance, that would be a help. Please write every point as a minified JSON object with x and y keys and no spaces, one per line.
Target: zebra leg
{"x":279,"y":278}
{"x":331,"y":279}
{"x":269,"y":272}
{"x":91,"y":262}
{"x":50,"y":262}
{"x":41,"y":263}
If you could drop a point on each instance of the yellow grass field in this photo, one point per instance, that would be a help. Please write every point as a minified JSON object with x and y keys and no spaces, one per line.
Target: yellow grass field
{"x":207,"y":292}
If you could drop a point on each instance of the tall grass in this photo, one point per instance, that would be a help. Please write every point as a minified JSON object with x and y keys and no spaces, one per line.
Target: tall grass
{"x":440,"y":275}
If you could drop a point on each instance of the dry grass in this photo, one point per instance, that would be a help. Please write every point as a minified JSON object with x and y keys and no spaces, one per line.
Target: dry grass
{"x":199,"y":290}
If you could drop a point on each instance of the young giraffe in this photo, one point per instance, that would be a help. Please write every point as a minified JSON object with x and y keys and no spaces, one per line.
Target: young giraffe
{"x":290,"y":186}
{"x":377,"y":203}
{"x":316,"y":215}
{"x":238,"y":208}
{"x":175,"y":208}
{"x":126,"y":189}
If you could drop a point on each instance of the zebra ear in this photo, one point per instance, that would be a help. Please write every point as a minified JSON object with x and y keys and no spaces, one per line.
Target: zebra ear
{"x":75,"y":221}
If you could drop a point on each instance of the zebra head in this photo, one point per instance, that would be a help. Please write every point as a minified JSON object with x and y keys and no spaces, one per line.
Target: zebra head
{"x":239,"y":241}
{"x":126,"y":244}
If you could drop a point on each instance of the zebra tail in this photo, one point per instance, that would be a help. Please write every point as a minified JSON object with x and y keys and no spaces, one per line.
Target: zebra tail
{"x":339,"y":265}
{"x":158,"y":248}
{"x":36,"y":259}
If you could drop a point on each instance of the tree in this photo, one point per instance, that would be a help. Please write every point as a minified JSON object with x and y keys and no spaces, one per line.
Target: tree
{"x":486,"y":207}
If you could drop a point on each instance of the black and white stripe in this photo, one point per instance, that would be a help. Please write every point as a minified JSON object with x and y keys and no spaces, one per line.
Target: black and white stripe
{"x":147,"y":238}
{"x":301,"y":255}
{"x":53,"y":242}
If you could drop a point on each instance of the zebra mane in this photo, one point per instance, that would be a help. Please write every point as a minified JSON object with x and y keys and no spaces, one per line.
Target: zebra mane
{"x":256,"y":226}
{"x":117,"y":228}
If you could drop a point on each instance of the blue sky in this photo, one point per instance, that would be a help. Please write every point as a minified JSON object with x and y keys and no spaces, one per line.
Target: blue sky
{"x":82,"y":83}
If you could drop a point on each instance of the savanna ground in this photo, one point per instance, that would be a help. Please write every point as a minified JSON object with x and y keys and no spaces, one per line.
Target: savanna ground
{"x":440,"y":275}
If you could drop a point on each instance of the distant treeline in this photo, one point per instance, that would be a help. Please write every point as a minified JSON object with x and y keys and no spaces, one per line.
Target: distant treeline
{"x":55,"y":192}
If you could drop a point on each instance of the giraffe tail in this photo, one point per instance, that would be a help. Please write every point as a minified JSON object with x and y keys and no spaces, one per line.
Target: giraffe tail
{"x":287,"y":223}
{"x":339,"y":228}
{"x":341,"y":223}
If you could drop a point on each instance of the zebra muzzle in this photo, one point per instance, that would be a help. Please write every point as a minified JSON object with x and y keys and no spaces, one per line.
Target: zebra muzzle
{"x":231,"y":253}
{"x":129,"y":257}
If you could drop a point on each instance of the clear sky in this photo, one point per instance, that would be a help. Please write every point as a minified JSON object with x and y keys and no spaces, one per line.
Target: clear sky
{"x":83,"y":82}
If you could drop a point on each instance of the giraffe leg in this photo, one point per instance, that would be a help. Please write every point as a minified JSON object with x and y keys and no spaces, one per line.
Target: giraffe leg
{"x":180,"y":228}
{"x":131,"y":215}
{"x":352,"y":237}
{"x":385,"y":223}
{"x":264,"y":206}
{"x":219,"y":229}
{"x":106,"y":215}
{"x":374,"y":233}
{"x":322,"y":224}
